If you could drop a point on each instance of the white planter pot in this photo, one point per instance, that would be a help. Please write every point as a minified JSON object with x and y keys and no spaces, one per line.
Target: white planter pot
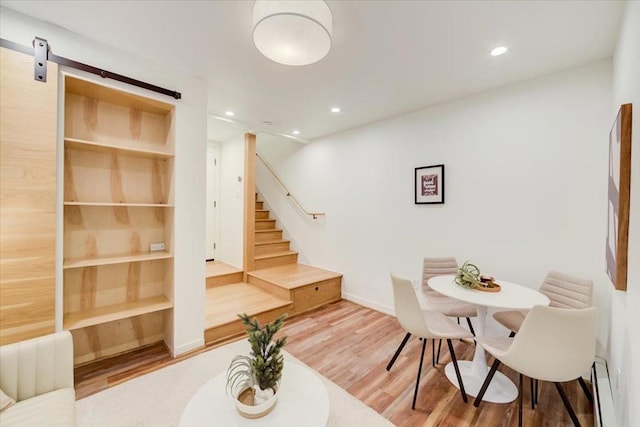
{"x":256,"y":411}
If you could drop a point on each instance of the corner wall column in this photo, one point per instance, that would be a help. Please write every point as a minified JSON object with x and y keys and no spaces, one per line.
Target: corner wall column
{"x":249,"y":203}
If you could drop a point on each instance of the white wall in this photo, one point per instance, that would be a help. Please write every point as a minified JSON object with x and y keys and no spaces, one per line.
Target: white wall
{"x":625,"y":314}
{"x":190,"y":151}
{"x":231,"y":205}
{"x":526,"y":169}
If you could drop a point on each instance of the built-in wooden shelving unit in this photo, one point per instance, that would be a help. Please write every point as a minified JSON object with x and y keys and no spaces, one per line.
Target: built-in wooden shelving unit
{"x":118,"y":200}
{"x":107,"y":260}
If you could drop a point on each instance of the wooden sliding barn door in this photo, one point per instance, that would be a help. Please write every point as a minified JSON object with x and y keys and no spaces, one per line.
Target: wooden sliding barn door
{"x":28,"y":133}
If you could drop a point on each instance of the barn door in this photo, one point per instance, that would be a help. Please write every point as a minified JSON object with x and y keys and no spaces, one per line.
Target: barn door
{"x":28,"y":134}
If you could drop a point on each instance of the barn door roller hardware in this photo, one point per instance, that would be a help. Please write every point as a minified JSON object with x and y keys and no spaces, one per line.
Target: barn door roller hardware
{"x":42,"y":53}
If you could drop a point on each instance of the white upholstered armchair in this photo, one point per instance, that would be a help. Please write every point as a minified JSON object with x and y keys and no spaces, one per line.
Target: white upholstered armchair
{"x":38,"y":375}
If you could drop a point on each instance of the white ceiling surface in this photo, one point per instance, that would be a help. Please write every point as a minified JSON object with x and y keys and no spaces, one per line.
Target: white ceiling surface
{"x":387,"y":58}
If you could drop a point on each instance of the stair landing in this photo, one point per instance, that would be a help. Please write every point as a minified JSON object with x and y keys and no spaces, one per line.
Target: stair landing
{"x":307,"y":287}
{"x":292,"y":276}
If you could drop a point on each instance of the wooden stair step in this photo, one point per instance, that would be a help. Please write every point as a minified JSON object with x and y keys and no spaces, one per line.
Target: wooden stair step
{"x":262,"y":214}
{"x":259,"y":205}
{"x":265,"y":224}
{"x":220,"y":274}
{"x":274,"y":259}
{"x":224,"y":303}
{"x":266,"y":235}
{"x":271,"y":246}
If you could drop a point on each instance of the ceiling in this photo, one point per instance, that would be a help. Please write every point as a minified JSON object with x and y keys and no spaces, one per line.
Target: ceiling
{"x":387,"y":58}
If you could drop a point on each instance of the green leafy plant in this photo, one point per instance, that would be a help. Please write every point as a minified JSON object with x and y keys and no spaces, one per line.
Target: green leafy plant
{"x":469,"y":277}
{"x":263,"y":368}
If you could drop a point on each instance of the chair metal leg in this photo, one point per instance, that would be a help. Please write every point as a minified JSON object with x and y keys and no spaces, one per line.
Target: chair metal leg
{"x":471,"y":327}
{"x":415,"y":393}
{"x":439,"y":346}
{"x":520,"y":401}
{"x":486,"y":383}
{"x":586,"y":390}
{"x":395,"y":356}
{"x":567,"y":405}
{"x":455,"y":365}
{"x":433,"y":353}
{"x":533,"y":393}
{"x":512,"y":334}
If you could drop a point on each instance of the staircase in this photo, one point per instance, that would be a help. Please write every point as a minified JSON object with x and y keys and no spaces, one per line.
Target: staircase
{"x":277,"y":285}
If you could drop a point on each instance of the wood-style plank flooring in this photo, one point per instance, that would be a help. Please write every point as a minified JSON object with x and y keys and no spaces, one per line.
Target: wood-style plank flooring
{"x":351,"y":345}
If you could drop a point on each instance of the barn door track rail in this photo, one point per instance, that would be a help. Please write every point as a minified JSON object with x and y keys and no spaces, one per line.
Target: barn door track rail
{"x":42,"y":53}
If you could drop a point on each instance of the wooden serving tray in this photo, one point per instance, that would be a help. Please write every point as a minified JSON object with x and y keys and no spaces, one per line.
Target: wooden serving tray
{"x":496,"y":288}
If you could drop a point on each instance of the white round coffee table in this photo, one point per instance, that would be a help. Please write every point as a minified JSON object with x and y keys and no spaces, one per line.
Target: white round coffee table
{"x":302,"y":400}
{"x":511,"y":297}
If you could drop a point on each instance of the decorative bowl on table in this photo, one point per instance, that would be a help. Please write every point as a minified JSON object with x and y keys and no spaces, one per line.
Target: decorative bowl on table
{"x":469,"y":277}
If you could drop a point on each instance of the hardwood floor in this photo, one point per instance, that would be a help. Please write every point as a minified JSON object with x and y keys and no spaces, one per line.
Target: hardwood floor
{"x":351,"y":345}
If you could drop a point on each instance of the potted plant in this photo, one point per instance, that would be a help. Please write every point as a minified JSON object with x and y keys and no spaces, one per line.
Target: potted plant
{"x":253,"y":380}
{"x":469,"y":277}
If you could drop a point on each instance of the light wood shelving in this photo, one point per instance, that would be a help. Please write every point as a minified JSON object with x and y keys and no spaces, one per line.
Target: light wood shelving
{"x":110,"y":204}
{"x":100,"y":147}
{"x":118,"y":200}
{"x":108,"y":260}
{"x":114,"y":312}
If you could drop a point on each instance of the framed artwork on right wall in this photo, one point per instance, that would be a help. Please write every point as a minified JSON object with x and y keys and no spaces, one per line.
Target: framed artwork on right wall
{"x":619,"y":192}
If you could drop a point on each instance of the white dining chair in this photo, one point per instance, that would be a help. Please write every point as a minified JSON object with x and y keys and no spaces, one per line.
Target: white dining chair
{"x":553,"y":344}
{"x":426,"y":325}
{"x":564,"y":291}
{"x":435,"y":301}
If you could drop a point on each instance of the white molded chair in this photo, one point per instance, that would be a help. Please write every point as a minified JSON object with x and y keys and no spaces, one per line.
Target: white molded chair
{"x":435,"y":301}
{"x":564,"y":291}
{"x":553,"y":344}
{"x":426,"y":325}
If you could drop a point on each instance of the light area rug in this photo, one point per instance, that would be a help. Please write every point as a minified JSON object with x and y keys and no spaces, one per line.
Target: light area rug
{"x":159,"y":398}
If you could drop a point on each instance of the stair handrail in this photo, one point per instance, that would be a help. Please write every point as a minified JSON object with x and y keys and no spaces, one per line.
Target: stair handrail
{"x":314,"y":215}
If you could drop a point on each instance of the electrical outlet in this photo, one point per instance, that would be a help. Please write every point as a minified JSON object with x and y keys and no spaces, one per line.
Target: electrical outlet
{"x":155,"y":247}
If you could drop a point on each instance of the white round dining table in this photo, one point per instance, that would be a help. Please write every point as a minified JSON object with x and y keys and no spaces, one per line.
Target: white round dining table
{"x":511,"y":297}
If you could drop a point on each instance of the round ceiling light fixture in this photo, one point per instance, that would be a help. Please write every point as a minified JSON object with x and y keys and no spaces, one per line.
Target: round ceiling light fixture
{"x":292,"y":32}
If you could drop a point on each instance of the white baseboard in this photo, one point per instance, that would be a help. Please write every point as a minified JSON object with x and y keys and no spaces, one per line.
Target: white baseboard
{"x":370,"y":304}
{"x":184,"y":348}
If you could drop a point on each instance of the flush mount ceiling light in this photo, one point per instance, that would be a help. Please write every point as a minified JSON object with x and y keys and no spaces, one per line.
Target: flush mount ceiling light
{"x":229,"y":113}
{"x":498,"y":51}
{"x":335,"y":110}
{"x":292,"y":32}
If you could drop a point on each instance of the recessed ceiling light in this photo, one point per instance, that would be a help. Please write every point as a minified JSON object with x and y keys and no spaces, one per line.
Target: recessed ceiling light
{"x":296,"y":132}
{"x":498,"y":51}
{"x":229,"y":113}
{"x":335,"y":110}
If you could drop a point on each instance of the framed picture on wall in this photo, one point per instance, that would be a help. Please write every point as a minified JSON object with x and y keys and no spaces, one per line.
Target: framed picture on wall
{"x":619,"y":193}
{"x":429,"y":185}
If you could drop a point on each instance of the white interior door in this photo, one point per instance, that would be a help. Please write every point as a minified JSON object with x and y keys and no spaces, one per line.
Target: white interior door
{"x":213,"y":197}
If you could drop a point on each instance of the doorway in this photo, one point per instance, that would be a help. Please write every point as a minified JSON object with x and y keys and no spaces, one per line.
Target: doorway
{"x":213,"y":197}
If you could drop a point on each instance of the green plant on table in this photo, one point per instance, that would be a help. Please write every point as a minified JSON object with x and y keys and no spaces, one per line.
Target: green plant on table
{"x":262,"y":370}
{"x":469,"y":277}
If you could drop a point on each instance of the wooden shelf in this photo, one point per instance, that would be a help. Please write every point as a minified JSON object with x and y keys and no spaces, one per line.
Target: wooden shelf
{"x":110,"y":313}
{"x":113,"y":204}
{"x":106,"y":260}
{"x":103,"y":147}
